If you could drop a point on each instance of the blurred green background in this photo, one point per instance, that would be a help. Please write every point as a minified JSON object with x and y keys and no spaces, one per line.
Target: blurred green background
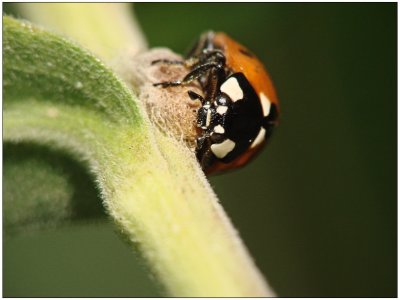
{"x":317,"y":209}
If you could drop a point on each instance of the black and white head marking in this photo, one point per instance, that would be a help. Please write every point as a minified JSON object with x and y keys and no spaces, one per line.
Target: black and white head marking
{"x":223,"y":149}
{"x":232,"y":88}
{"x":236,"y":118}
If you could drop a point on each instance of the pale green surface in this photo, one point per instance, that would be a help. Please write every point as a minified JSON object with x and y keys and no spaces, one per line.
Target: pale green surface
{"x":59,"y":95}
{"x":107,"y":29}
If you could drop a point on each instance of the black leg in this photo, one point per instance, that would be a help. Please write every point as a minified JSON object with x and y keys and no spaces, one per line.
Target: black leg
{"x":195,"y":96}
{"x":167,"y":62}
{"x":168,"y":83}
{"x":188,"y":63}
{"x":196,"y":73}
{"x":200,"y":70}
{"x":203,"y":144}
{"x":206,"y":160}
{"x":208,"y":56}
{"x":214,"y":54}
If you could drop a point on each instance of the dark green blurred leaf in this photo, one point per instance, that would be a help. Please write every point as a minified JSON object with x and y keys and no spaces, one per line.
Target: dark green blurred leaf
{"x":78,"y":261}
{"x":45,"y":188}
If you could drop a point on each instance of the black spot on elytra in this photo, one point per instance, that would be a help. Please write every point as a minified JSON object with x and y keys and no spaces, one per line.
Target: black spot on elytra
{"x":246,"y":52}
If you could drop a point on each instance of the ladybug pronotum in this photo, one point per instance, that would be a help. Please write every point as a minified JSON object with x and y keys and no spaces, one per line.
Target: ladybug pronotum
{"x":239,"y":106}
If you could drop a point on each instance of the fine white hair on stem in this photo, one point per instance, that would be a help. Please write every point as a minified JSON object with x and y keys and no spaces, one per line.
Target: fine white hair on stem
{"x":170,"y":109}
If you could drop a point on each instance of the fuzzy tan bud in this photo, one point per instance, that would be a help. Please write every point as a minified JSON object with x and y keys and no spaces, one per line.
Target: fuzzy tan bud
{"x":170,"y":109}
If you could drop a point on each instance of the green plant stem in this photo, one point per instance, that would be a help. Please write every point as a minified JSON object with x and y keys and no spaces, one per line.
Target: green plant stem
{"x":161,"y":201}
{"x":151,"y":185}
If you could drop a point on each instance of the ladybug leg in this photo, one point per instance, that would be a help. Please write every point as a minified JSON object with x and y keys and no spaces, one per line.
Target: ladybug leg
{"x":188,"y":63}
{"x":203,"y":154}
{"x":201,"y":69}
{"x":209,"y":59}
{"x":195,"y":96}
{"x":213,"y":54}
{"x":201,"y":147}
{"x":168,"y":83}
{"x":207,"y":160}
{"x":196,"y":73}
{"x":167,"y":62}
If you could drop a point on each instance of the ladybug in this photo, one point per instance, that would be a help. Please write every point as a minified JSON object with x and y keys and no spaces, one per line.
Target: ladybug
{"x":239,"y":106}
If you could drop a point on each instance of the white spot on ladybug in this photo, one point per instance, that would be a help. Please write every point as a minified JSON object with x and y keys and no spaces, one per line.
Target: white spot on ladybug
{"x":221,"y":150}
{"x":259,"y":139}
{"x":208,"y":120}
{"x":265,"y":103}
{"x":232,"y":88}
{"x":219,"y":129}
{"x":222,"y":109}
